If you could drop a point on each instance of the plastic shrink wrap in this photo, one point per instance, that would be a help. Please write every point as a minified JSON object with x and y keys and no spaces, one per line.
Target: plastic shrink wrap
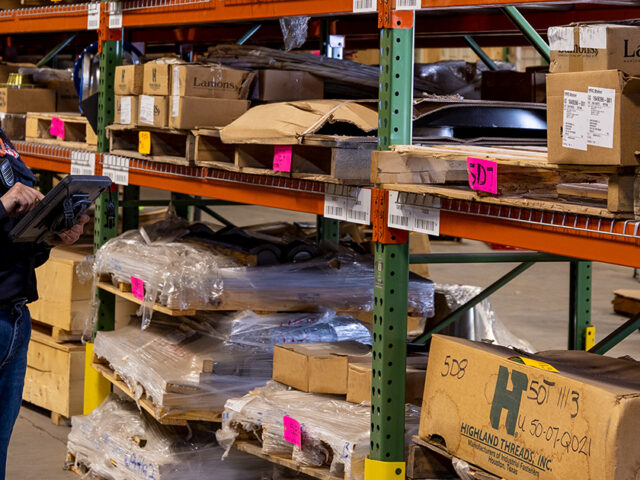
{"x":335,"y":433}
{"x":117,"y":442}
{"x":198,"y":363}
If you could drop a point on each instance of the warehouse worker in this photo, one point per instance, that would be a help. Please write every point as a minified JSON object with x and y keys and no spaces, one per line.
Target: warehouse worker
{"x":18,"y":262}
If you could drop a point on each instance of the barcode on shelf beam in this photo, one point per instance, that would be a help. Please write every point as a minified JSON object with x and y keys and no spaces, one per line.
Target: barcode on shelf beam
{"x":398,"y":220}
{"x":334,"y":211}
{"x":426,"y":220}
{"x":365,"y":6}
{"x":335,"y":207}
{"x":359,"y":207}
{"x":408,"y":4}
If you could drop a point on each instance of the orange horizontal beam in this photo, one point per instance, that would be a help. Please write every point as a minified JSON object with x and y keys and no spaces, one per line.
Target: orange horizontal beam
{"x":46,"y":163}
{"x":478,"y":3}
{"x":41,"y":23}
{"x":572,"y":243}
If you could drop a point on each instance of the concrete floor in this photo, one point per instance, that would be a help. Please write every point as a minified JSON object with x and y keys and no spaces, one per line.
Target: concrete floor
{"x":534,"y":306}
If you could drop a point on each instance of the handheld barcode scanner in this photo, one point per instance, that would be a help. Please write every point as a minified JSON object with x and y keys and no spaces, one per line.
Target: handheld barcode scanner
{"x":7,"y":178}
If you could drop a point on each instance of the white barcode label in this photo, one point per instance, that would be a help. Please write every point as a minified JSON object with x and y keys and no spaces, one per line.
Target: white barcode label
{"x":147,"y":104}
{"x":408,"y":4}
{"x":335,"y":207}
{"x":365,"y":6}
{"x":83,"y":163}
{"x":115,"y":15}
{"x":398,"y":221}
{"x":125,"y":110}
{"x":412,"y":217}
{"x":116,"y":168}
{"x":175,"y":82}
{"x":359,"y":207}
{"x":399,"y":215}
{"x":93,"y":16}
{"x":175,"y":106}
{"x":426,"y":220}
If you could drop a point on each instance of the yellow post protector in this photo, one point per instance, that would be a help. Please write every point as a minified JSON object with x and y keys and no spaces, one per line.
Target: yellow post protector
{"x":377,"y":470}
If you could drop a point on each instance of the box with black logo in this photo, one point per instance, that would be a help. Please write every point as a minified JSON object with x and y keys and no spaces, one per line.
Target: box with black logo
{"x":555,"y":415}
{"x":211,"y":81}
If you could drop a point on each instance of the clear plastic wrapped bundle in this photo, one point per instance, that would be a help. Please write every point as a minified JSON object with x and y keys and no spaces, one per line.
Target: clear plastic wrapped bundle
{"x":117,"y":442}
{"x":198,"y":363}
{"x":335,"y":433}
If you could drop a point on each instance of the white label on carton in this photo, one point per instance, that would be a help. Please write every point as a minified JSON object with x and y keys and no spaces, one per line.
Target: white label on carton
{"x":115,"y":15}
{"x":575,"y":120}
{"x":335,"y":207}
{"x":125,"y":110}
{"x":365,"y":6}
{"x":116,"y":168}
{"x":147,"y":102}
{"x":593,"y":36}
{"x":560,"y":38}
{"x":602,"y":105}
{"x":175,"y":106}
{"x":83,"y":163}
{"x":93,"y":16}
{"x":359,"y":207}
{"x":175,"y":83}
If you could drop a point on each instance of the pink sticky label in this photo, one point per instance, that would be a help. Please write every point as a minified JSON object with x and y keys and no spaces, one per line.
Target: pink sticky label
{"x":137,"y":288}
{"x":483,"y":175}
{"x":57,"y":128}
{"x":292,"y":431}
{"x":282,"y":158}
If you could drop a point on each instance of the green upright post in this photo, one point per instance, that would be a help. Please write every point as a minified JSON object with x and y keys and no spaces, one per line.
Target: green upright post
{"x":328,"y":230}
{"x":581,"y":331}
{"x":391,"y":265}
{"x":130,"y":212}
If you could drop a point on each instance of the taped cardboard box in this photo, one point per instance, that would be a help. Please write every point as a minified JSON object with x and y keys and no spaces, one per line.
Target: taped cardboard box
{"x":191,"y":112}
{"x":127,"y":108}
{"x":23,"y":100}
{"x":317,"y":367}
{"x":128,"y":80}
{"x":153,"y":110}
{"x":593,"y":118}
{"x":210,"y":81}
{"x":156,"y":78}
{"x":285,"y":123}
{"x":359,"y":381}
{"x":557,"y":416}
{"x":587,"y":47}
{"x":287,"y":85}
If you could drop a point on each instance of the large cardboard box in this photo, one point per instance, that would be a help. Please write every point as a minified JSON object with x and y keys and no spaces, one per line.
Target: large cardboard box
{"x":128,"y":80}
{"x":212,"y":81}
{"x":153,"y":110}
{"x":316,"y":367}
{"x":23,"y":100}
{"x":359,"y":381}
{"x":156,"y":79}
{"x":593,"y":118}
{"x":287,"y":85}
{"x":126,"y":110}
{"x":523,"y":421}
{"x":582,"y":47}
{"x":191,"y":112}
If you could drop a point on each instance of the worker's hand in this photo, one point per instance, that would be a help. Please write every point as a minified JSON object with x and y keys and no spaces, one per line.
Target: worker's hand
{"x":73,"y":234}
{"x":20,"y":199}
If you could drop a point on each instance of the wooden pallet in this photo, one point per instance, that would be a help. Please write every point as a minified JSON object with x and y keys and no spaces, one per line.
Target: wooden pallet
{"x":77,"y":130}
{"x":525,"y":178}
{"x":626,"y":302}
{"x":163,"y":416}
{"x":255,"y":449}
{"x":58,"y":334}
{"x":319,"y":157}
{"x":167,"y":145}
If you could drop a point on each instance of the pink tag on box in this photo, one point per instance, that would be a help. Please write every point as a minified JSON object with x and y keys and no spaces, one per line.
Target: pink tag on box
{"x":137,"y":288}
{"x":292,"y":431}
{"x":57,"y":128}
{"x":282,"y":158}
{"x":483,"y":175}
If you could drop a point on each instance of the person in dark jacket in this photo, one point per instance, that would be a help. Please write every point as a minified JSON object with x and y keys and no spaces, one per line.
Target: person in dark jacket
{"x":18,"y":262}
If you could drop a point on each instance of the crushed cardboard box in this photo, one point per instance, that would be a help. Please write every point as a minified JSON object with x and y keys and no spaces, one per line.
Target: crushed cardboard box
{"x":593,"y":118}
{"x":317,"y":367}
{"x":191,"y":112}
{"x":551,"y":416}
{"x":128,"y":80}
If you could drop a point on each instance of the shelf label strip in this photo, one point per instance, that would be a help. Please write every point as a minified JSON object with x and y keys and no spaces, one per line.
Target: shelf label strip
{"x":83,"y":163}
{"x":414,"y":218}
{"x":350,"y":204}
{"x":116,"y":168}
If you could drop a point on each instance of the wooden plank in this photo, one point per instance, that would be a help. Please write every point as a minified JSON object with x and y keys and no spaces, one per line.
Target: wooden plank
{"x":78,"y":133}
{"x":255,"y":449}
{"x":167,"y":145}
{"x":209,"y":151}
{"x":161,"y":415}
{"x":626,"y":302}
{"x":621,"y":193}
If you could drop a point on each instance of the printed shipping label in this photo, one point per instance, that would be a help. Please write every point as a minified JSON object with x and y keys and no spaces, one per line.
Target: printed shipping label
{"x":335,"y":207}
{"x":602,"y":104}
{"x":575,"y":120}
{"x":593,"y":36}
{"x":359,"y":207}
{"x":125,"y":110}
{"x":175,"y":106}
{"x":175,"y":83}
{"x":147,"y":103}
{"x":93,"y":16}
{"x":560,"y":38}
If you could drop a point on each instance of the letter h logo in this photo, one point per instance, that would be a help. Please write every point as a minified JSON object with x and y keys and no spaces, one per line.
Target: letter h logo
{"x":508,"y":399}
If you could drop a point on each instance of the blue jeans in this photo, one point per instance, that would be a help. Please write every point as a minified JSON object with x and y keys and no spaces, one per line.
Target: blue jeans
{"x":15,"y":331}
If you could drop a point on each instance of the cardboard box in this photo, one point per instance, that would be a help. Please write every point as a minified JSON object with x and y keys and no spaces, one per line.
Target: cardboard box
{"x":523,"y":422}
{"x":128,"y":80}
{"x":23,"y":100}
{"x":287,"y":85}
{"x":13,"y":125}
{"x":8,"y":67}
{"x":211,"y":81}
{"x":153,"y":110}
{"x":66,"y":96}
{"x":359,"y":381}
{"x":583,"y":47}
{"x":597,"y":128}
{"x":156,"y":79}
{"x":316,"y":367}
{"x":127,"y":108}
{"x":191,"y":112}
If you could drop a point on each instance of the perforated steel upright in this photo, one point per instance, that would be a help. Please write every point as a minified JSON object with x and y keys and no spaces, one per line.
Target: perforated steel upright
{"x":391,"y":256}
